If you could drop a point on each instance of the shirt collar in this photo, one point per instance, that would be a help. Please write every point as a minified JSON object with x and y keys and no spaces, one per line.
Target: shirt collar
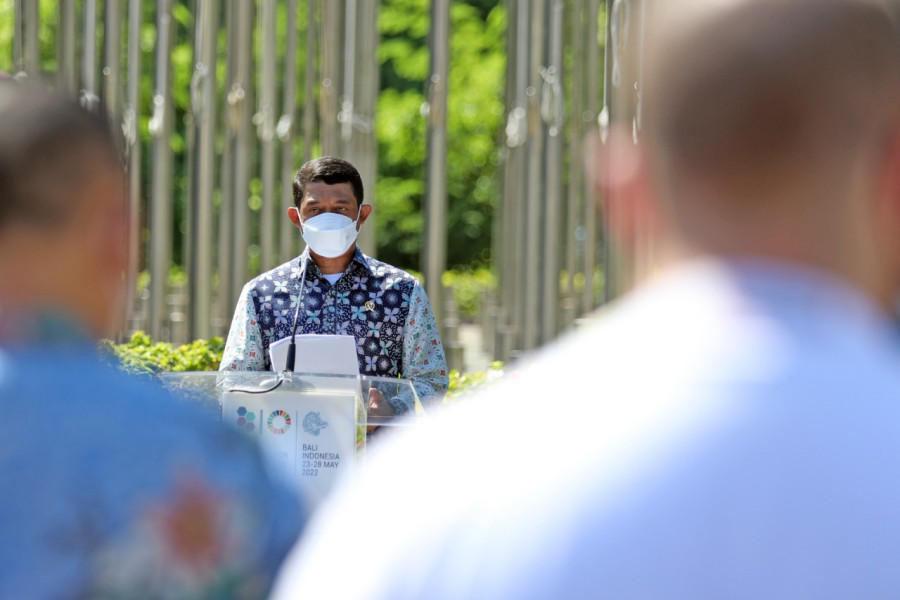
{"x":793,"y":292}
{"x":358,"y":258}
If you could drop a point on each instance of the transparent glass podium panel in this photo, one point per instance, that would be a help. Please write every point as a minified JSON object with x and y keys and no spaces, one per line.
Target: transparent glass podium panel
{"x":205,"y":389}
{"x":311,"y":427}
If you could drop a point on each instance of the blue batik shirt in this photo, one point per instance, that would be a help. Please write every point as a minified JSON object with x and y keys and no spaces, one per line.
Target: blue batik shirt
{"x":384,"y":308}
{"x":111,"y":488}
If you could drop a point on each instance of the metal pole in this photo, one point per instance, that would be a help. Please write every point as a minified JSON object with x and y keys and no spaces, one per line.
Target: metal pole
{"x":187,"y":222}
{"x":647,"y":250}
{"x":205,"y":122}
{"x":112,"y":61}
{"x":435,"y":243}
{"x":553,"y":117}
{"x":536,"y":184}
{"x":591,"y":219}
{"x":112,"y":68}
{"x":266,"y":132}
{"x":357,"y":101}
{"x":133,"y":141}
{"x":227,"y":295}
{"x":89,"y":96}
{"x":32,"y":64}
{"x":365,"y":144}
{"x":574,"y":225}
{"x":161,"y":200}
{"x":309,"y":99}
{"x":518,"y":135}
{"x":240,"y":98}
{"x":18,"y":35}
{"x":348,"y":97}
{"x":504,"y":230}
{"x":332,"y":45}
{"x":65,"y":50}
{"x":285,"y":130}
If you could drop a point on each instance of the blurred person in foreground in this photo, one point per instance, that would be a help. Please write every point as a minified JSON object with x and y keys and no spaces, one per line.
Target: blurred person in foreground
{"x":110,"y":488}
{"x":729,"y":428}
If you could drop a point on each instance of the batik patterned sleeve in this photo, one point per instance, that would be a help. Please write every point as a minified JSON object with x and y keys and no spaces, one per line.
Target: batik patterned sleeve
{"x":424,"y":361}
{"x":244,"y":347}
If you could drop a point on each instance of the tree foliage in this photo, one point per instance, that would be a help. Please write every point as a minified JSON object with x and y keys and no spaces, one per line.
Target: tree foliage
{"x":474,"y":116}
{"x":474,"y":122}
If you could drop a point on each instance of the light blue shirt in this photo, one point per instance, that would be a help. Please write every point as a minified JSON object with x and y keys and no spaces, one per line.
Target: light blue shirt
{"x":112,"y":489}
{"x":730,"y":430}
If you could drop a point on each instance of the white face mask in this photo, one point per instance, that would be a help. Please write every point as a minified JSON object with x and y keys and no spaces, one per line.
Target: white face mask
{"x":329,"y":234}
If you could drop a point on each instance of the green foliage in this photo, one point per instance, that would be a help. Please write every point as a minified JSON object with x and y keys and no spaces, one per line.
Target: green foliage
{"x":141,"y":355}
{"x":7,"y":12}
{"x":474,"y":116}
{"x":474,"y":124}
{"x":462,"y":384}
{"x":469,"y":287}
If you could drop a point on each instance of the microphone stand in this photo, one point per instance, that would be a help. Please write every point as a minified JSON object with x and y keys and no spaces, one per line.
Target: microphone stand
{"x":292,"y":344}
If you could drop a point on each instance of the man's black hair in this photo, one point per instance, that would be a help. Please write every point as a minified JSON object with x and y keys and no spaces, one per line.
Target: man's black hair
{"x":331,"y":170}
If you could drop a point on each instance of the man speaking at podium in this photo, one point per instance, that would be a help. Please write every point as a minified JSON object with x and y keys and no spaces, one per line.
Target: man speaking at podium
{"x":343,"y":292}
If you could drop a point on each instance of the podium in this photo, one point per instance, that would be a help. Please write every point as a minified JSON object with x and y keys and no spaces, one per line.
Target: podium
{"x":311,"y":427}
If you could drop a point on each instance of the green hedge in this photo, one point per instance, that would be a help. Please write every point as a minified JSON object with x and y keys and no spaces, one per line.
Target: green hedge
{"x":141,"y":355}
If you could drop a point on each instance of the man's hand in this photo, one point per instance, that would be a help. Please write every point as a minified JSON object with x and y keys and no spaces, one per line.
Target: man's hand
{"x":378,"y":407}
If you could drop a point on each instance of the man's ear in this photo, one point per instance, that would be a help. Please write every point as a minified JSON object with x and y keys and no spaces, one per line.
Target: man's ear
{"x":893,"y":174}
{"x":293,"y":214}
{"x":619,"y":175}
{"x":364,"y":211}
{"x":888,"y":207}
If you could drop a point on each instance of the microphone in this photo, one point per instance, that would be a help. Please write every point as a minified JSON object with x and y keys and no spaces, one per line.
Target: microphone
{"x":292,"y":344}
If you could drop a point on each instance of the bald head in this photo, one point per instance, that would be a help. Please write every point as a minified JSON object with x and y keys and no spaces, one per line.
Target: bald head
{"x":770,"y":130}
{"x":50,"y":148}
{"x":748,"y":97}
{"x":63,"y":215}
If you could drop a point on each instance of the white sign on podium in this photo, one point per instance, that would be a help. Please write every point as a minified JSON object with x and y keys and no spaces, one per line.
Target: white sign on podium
{"x":307,"y":427}
{"x":310,"y":427}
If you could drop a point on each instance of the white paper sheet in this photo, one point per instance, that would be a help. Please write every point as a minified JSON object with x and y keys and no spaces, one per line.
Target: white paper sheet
{"x":317,"y":353}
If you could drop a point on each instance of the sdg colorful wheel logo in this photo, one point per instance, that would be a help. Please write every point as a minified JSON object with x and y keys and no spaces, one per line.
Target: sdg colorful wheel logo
{"x":246,"y":420}
{"x":279,"y":422}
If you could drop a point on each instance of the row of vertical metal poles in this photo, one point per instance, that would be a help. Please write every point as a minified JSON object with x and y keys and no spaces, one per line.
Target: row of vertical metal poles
{"x":26,"y":42}
{"x":343,"y":119}
{"x":348,"y":92}
{"x":344,"y":68}
{"x":547,"y":224}
{"x":545,"y":218}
